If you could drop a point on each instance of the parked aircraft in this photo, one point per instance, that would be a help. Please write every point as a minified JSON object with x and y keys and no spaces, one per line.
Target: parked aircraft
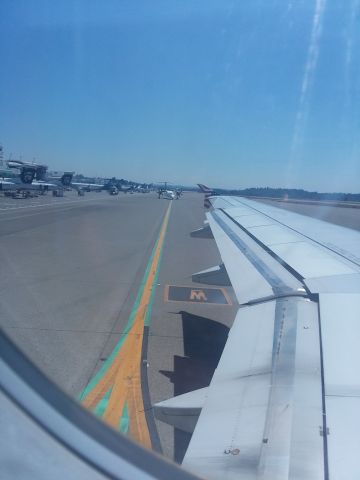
{"x":167,"y":194}
{"x":113,"y":182}
{"x":113,"y":190}
{"x":6,"y":183}
{"x":33,"y":177}
{"x":29,"y":175}
{"x":87,"y":187}
{"x":28,"y":172}
{"x":66,"y":181}
{"x":143,"y":188}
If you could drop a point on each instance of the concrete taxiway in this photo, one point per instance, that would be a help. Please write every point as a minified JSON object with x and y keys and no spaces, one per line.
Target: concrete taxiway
{"x":85,"y":293}
{"x":72,"y":272}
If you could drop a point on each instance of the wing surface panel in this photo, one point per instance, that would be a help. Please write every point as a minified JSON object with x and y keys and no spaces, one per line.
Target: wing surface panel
{"x":341,"y":334}
{"x":311,"y":260}
{"x":252,"y":271}
{"x":273,"y":234}
{"x":344,"y":241}
{"x":232,"y":421}
{"x":247,"y":281}
{"x":340,"y":321}
{"x":334,"y":283}
{"x":312,"y":252}
{"x":307,"y":446}
{"x":263,"y":411}
{"x":6,"y":182}
{"x":284,"y":401}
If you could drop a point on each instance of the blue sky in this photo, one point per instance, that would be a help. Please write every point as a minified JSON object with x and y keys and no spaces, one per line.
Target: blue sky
{"x":230,"y":93}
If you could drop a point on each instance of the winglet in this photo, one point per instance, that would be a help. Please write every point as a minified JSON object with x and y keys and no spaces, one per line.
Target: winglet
{"x":208,"y":193}
{"x":205,"y":189}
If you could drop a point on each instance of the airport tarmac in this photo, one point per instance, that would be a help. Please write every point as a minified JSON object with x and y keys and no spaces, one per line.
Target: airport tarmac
{"x":84,"y":276}
{"x":71,"y":273}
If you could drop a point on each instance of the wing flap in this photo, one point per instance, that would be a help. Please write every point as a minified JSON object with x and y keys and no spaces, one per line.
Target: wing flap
{"x":341,"y":333}
{"x":234,"y":414}
{"x":341,"y":240}
{"x":292,"y":250}
{"x":284,"y":400}
{"x":252,"y":271}
{"x":263,"y":412}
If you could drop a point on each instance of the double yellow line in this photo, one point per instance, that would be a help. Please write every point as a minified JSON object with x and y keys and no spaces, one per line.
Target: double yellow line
{"x":115,"y":393}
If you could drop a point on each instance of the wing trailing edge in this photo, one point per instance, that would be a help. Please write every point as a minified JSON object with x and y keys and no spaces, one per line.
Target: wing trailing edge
{"x":283,"y":402}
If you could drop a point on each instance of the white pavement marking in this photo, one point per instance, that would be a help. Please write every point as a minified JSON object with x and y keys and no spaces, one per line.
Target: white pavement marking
{"x":69,"y":202}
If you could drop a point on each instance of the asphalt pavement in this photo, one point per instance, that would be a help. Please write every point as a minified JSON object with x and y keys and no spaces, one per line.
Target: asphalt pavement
{"x":71,"y":272}
{"x":74,"y":273}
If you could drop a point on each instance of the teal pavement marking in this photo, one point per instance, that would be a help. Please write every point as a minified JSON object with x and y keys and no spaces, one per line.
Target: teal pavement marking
{"x":127,"y":329}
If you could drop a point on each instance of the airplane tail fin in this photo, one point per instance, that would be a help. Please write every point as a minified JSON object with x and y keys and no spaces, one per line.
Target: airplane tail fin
{"x":208,"y":193}
{"x":28,"y":171}
{"x":66,"y":179}
{"x":27,"y":174}
{"x":205,"y":189}
{"x":40,"y":172}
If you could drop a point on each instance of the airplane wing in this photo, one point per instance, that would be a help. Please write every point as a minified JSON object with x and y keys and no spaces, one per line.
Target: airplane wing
{"x":87,"y":185}
{"x":45,"y":184}
{"x":284,"y":401}
{"x":6,"y":182}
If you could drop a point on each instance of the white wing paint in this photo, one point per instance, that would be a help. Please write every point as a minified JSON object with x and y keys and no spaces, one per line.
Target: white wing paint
{"x":284,"y":401}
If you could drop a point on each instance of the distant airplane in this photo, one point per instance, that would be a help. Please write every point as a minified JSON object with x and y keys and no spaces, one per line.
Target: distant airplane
{"x":113,"y":190}
{"x":28,"y":171}
{"x":167,"y":194}
{"x":143,"y":188}
{"x":170,"y":194}
{"x":129,"y":189}
{"x":6,"y":182}
{"x":87,"y":187}
{"x":33,"y":176}
{"x":164,"y":192}
{"x":120,"y":186}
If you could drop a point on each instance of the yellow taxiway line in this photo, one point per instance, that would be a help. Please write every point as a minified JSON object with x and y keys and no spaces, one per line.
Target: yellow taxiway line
{"x":117,"y":387}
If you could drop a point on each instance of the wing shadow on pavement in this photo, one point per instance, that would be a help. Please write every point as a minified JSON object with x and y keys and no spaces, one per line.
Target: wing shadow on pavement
{"x":204,"y":341}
